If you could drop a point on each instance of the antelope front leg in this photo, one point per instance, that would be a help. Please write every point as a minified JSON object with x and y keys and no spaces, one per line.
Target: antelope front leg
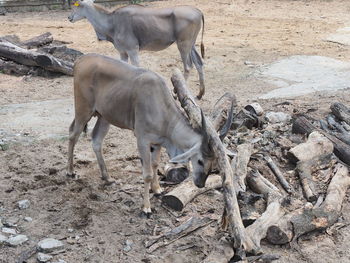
{"x":155,"y":152}
{"x":147,"y":174}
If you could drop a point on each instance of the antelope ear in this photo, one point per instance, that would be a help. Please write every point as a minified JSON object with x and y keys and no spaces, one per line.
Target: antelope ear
{"x":186,"y":156}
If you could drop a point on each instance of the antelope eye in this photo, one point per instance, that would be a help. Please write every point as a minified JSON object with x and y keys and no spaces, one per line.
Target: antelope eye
{"x":200,"y":163}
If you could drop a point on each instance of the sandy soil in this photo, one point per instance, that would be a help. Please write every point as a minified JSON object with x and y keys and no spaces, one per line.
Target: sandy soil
{"x":102,"y":219}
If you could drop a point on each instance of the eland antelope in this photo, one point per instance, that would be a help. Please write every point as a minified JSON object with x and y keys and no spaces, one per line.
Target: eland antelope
{"x":133,"y":28}
{"x":133,"y":98}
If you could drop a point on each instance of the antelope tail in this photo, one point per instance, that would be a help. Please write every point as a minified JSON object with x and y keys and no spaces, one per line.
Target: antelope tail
{"x":202,"y":44}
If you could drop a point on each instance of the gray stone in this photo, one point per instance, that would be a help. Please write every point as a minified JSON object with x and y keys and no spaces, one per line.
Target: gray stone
{"x":28,"y":219}
{"x":43,"y":257}
{"x":278,"y":117}
{"x":23,"y":204}
{"x":128,"y":245}
{"x":11,"y":221}
{"x":10,"y":231}
{"x":2,"y":239}
{"x":50,"y":244}
{"x":17,"y":240}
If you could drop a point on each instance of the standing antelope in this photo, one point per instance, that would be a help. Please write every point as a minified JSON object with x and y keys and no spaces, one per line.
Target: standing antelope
{"x":134,"y":28}
{"x":139,"y":100}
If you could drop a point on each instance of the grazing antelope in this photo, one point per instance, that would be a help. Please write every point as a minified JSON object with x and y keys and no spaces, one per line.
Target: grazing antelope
{"x":133,"y":98}
{"x":135,"y":27}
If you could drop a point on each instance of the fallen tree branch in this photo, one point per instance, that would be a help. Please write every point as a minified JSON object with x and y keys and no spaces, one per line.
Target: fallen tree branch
{"x":239,"y":165}
{"x":341,"y":112}
{"x":236,"y":228}
{"x":185,"y":192}
{"x":178,"y":232}
{"x":39,"y":41}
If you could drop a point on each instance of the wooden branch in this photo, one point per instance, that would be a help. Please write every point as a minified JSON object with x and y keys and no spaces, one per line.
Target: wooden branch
{"x":236,"y":228}
{"x":239,"y":165}
{"x":258,"y":230}
{"x":217,"y":115}
{"x":341,"y":112}
{"x":316,"y":145}
{"x":185,"y":192}
{"x":38,"y":41}
{"x":305,"y":220}
{"x":178,"y":232}
{"x":341,"y":149}
{"x":32,"y":58}
{"x":277,"y":172}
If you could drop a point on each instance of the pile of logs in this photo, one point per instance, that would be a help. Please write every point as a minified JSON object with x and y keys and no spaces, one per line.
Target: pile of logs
{"x":38,"y":56}
{"x":252,"y":163}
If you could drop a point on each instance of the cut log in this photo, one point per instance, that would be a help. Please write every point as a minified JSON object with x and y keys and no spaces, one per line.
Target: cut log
{"x":277,"y":172}
{"x":341,"y":149}
{"x":239,"y":165}
{"x":316,"y":145}
{"x":38,"y":41}
{"x":305,"y":220}
{"x":185,"y":192}
{"x":236,"y":228}
{"x":341,"y":112}
{"x":258,"y":230}
{"x":32,"y":58}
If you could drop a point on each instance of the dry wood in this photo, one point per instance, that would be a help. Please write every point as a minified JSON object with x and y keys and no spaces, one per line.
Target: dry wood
{"x":305,"y":220}
{"x":222,"y":253}
{"x":277,"y":172}
{"x":341,"y":112}
{"x":236,"y":228}
{"x":185,"y":192}
{"x":258,"y":230}
{"x":341,"y":149}
{"x":239,"y":165}
{"x":178,"y":232}
{"x":32,"y":58}
{"x":316,"y":145}
{"x":217,"y":115}
{"x":38,"y":41}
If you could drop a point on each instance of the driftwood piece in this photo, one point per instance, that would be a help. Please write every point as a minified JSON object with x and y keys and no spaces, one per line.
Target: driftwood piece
{"x":308,"y":219}
{"x":236,"y":228}
{"x":278,"y":173}
{"x":258,"y":230}
{"x":316,"y":145}
{"x":239,"y":165}
{"x":38,"y":41}
{"x":181,"y":195}
{"x":341,"y":112}
{"x":32,"y":58}
{"x":217,"y":115}
{"x":222,"y":253}
{"x":178,"y":232}
{"x":341,"y":149}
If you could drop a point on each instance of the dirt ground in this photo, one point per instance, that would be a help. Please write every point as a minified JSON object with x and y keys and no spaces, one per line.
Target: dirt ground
{"x":93,"y":221}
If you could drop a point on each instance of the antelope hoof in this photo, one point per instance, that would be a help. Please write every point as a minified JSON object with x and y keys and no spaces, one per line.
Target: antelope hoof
{"x":108,"y":181}
{"x":72,"y":175}
{"x":145,"y":214}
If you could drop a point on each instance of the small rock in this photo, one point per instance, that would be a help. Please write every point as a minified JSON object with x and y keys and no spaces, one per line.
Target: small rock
{"x":60,"y":261}
{"x":28,"y":219}
{"x":23,"y":204}
{"x":43,"y":257}
{"x":49,"y":245}
{"x":2,"y":239}
{"x":1,"y":225}
{"x":17,"y":240}
{"x":277,"y":117}
{"x":10,"y":231}
{"x":11,"y":222}
{"x":128,"y":245}
{"x":70,"y":230}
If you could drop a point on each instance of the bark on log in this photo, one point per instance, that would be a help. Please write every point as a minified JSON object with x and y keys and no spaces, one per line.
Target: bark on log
{"x":38,"y":41}
{"x":306,"y":220}
{"x":32,"y":58}
{"x":258,"y":230}
{"x":341,"y":112}
{"x":239,"y":165}
{"x":236,"y":228}
{"x":185,"y":192}
{"x":341,"y":149}
{"x":316,"y":145}
{"x":277,"y":172}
